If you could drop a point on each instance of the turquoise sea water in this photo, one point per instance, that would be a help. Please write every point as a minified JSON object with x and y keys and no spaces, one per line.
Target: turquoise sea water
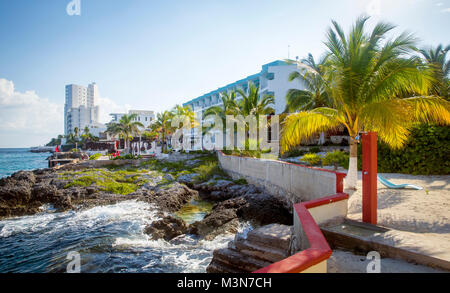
{"x":13,"y":160}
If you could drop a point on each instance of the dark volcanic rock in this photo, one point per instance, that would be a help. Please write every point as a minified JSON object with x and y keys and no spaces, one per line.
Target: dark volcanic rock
{"x":261,"y":208}
{"x":45,"y":192}
{"x":172,"y":198}
{"x":167,"y":228}
{"x":212,"y":221}
{"x":265,"y":209}
{"x":63,"y":203}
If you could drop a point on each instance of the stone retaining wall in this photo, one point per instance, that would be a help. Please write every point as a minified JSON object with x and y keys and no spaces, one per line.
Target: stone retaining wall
{"x":292,"y":181}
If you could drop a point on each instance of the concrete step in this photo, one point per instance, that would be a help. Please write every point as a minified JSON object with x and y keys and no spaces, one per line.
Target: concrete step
{"x":273,"y":235}
{"x":216,"y":266}
{"x":238,"y":260}
{"x":263,"y":252}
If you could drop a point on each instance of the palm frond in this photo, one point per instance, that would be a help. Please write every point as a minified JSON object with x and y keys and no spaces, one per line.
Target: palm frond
{"x":304,"y":125}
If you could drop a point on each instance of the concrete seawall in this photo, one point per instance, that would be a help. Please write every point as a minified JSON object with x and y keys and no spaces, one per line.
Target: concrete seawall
{"x":295,"y":182}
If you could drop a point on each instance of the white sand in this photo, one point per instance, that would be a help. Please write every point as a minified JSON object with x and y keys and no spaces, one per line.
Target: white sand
{"x":418,"y":211}
{"x":419,"y":219}
{"x":347,"y":262}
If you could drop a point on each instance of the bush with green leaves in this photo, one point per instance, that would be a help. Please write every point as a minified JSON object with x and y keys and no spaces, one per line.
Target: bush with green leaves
{"x":426,"y":152}
{"x":336,"y":158}
{"x":311,"y":159}
{"x":295,"y":153}
{"x":127,"y":157}
{"x":314,"y":149}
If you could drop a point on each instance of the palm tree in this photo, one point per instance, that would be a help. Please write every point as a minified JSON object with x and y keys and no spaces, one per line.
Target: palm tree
{"x":76,"y":130}
{"x":162,"y":125}
{"x":254,"y":104}
{"x":437,"y":58}
{"x":188,"y":112}
{"x":126,"y":128}
{"x":229,"y":107}
{"x":368,"y":78}
{"x":315,"y":94}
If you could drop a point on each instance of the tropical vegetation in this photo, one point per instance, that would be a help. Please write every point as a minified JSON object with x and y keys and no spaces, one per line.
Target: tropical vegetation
{"x":374,"y":84}
{"x":437,"y":59}
{"x":315,"y":94}
{"x":163,"y":126}
{"x":126,"y":128}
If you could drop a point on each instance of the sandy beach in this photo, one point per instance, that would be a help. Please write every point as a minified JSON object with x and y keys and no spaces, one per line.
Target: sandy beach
{"x":418,"y":219}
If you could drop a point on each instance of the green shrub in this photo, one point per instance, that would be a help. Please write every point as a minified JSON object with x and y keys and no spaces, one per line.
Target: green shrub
{"x":314,"y":150}
{"x":311,"y":159}
{"x":426,"y":152}
{"x":336,"y":158}
{"x":295,"y":153}
{"x":241,"y":181}
{"x":83,"y":181}
{"x":127,"y":157}
{"x":95,"y":157}
{"x":208,"y":170}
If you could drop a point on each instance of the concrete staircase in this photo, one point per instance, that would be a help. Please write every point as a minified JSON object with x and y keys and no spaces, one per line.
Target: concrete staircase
{"x":260,"y":248}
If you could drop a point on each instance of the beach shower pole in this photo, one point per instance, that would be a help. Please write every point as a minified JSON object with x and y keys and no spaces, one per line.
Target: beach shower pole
{"x":369,"y":177}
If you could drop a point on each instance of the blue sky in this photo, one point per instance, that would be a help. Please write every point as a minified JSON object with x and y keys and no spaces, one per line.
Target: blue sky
{"x":154,"y":54}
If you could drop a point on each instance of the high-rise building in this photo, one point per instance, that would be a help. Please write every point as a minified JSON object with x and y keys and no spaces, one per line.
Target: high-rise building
{"x":81,"y":109}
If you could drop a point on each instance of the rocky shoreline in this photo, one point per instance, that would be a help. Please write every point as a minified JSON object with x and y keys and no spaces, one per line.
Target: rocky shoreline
{"x":169,"y":184}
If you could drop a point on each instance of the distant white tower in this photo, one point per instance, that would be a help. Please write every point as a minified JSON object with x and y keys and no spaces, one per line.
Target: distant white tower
{"x":81,"y":107}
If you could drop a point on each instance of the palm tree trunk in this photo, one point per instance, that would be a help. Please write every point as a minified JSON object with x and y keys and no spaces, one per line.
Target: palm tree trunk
{"x":352,"y":174}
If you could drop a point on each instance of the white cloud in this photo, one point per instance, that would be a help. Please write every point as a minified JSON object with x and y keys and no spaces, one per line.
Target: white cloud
{"x":108,"y":106}
{"x":446,"y":10}
{"x":439,"y":4}
{"x":29,"y":120}
{"x":25,"y":118}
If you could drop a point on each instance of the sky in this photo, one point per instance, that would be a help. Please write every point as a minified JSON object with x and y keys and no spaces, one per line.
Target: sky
{"x":151,"y":55}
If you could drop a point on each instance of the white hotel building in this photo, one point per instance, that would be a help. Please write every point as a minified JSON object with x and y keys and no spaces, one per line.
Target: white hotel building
{"x":145,"y":117}
{"x":272,"y":79}
{"x":81,"y":109}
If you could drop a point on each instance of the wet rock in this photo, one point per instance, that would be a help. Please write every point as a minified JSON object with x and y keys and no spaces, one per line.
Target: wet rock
{"x":26,"y":176}
{"x":63,"y":203}
{"x":15,"y":194}
{"x":265,"y":209}
{"x":167,"y":228}
{"x":45,"y":193}
{"x":214,"y":220}
{"x":213,"y":185}
{"x":218,"y":196}
{"x":187,"y":178}
{"x":173,"y":197}
{"x":169,"y":177}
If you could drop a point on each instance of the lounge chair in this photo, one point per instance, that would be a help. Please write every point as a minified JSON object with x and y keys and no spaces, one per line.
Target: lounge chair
{"x":391,"y":185}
